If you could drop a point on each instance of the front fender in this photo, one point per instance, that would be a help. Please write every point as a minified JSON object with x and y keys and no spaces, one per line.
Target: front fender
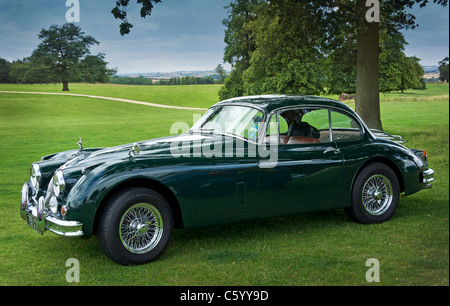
{"x":88,"y":193}
{"x":409,"y":166}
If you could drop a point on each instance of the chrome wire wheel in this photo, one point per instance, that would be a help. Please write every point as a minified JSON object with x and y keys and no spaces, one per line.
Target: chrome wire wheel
{"x":377,"y":195}
{"x":141,"y":228}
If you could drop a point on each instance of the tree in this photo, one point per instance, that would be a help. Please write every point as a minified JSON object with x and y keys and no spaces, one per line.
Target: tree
{"x":287,"y":58}
{"x":61,"y":50}
{"x":443,"y":70}
{"x":221,"y":72}
{"x":367,"y":101}
{"x":392,"y":16}
{"x":5,"y":68}
{"x":412,"y":73}
{"x":18,"y":71}
{"x":344,"y":34}
{"x":93,"y":69}
{"x":240,"y":44}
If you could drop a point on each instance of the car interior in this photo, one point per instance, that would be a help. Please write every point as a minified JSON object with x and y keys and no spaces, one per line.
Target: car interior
{"x":310,"y":126}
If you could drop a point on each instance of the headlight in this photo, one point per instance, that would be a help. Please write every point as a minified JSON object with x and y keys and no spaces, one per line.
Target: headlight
{"x":58,"y":182}
{"x":53,"y":205}
{"x":35,"y":176}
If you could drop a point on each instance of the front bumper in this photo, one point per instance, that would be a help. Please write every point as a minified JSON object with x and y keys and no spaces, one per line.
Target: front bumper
{"x":428,"y":178}
{"x":36,"y":216}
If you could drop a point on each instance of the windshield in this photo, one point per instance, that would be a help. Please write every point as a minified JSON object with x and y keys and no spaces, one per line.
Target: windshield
{"x":237,"y":120}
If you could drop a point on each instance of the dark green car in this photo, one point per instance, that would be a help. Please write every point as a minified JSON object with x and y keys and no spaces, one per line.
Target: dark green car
{"x":245,"y":159}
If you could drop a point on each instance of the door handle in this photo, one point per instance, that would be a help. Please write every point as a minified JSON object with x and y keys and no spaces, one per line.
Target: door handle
{"x":335,"y":151}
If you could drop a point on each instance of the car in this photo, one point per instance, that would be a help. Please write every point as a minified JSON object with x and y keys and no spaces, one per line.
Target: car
{"x":246,"y":159}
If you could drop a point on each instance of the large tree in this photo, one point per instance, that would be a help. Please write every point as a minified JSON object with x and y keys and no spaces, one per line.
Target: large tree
{"x":287,"y":58}
{"x":347,"y":32}
{"x":369,"y":18}
{"x":61,"y":50}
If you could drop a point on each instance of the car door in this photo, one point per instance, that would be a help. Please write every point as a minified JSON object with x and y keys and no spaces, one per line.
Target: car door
{"x":348,"y":135}
{"x":308,"y":173}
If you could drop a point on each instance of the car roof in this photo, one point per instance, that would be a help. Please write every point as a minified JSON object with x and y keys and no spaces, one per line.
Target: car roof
{"x":270,"y":103}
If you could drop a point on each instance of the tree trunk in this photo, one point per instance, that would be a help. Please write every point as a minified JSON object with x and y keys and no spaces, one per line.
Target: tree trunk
{"x":367,"y":77}
{"x":65,"y":85}
{"x":65,"y":78}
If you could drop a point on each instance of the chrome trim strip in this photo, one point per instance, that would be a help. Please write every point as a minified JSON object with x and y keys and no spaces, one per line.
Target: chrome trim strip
{"x":428,"y":176}
{"x":64,"y":228}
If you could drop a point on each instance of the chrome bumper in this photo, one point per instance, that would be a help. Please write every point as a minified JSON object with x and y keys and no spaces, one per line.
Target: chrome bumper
{"x":34,"y":213}
{"x":428,"y":178}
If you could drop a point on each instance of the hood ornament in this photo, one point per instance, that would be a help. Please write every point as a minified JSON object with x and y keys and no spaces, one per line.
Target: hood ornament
{"x":135,"y":150}
{"x":80,"y":143}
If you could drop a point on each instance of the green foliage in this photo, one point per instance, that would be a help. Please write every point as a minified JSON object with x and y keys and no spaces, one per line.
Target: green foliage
{"x":286,"y":58}
{"x":92,"y":69}
{"x":5,"y":68}
{"x":120,"y":12}
{"x":186,"y":80}
{"x":240,"y":44}
{"x":397,"y":71}
{"x":272,"y":49}
{"x":238,"y":37}
{"x":443,"y":70}
{"x":62,"y":56}
{"x":130,"y":80}
{"x":28,"y":72}
{"x":311,"y":46}
{"x":233,"y":85}
{"x":221,"y":72}
{"x":61,"y":50}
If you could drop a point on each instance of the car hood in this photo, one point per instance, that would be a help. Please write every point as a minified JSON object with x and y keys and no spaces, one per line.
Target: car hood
{"x":161,"y":148}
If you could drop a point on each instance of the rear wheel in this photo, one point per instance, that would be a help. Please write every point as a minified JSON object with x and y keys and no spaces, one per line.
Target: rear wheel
{"x":375,"y":194}
{"x":135,"y":226}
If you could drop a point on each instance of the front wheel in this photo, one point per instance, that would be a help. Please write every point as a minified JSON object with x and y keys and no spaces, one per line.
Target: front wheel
{"x":375,"y":194}
{"x":135,"y":226}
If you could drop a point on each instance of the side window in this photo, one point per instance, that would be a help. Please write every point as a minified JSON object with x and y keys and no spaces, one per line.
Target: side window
{"x":284,"y":127}
{"x":317,"y":118}
{"x":344,"y":127}
{"x":272,"y":129}
{"x":304,"y":125}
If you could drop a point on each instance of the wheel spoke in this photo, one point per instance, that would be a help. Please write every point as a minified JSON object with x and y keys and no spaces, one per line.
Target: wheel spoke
{"x":377,"y":195}
{"x":141,"y":228}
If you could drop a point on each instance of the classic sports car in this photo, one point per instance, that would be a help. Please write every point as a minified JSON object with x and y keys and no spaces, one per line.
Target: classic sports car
{"x":246,"y":158}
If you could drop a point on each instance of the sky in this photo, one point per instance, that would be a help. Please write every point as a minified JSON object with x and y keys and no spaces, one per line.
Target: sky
{"x":180,"y":35}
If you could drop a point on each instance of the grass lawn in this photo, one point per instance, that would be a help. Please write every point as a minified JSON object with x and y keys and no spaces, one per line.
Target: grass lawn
{"x":324,"y":248}
{"x":202,"y":96}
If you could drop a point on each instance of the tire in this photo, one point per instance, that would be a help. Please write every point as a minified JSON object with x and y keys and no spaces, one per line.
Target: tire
{"x":135,"y":226}
{"x":375,"y":194}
